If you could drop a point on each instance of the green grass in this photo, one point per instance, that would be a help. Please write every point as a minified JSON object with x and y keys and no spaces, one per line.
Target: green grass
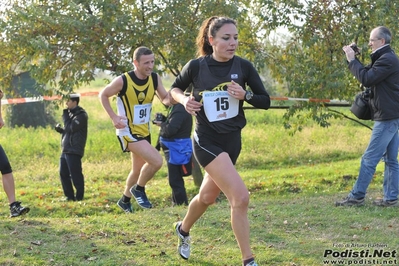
{"x":293,"y":180}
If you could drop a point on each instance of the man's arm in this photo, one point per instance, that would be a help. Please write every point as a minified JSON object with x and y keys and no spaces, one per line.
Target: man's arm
{"x":162,"y":94}
{"x":78,"y":122}
{"x":110,"y":90}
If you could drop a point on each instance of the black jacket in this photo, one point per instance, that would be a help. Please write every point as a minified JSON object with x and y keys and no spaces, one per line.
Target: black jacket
{"x":382,"y":76}
{"x":178,"y":124}
{"x":74,"y":133}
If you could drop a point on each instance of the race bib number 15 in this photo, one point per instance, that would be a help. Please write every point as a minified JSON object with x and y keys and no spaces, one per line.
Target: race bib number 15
{"x":219,"y":105}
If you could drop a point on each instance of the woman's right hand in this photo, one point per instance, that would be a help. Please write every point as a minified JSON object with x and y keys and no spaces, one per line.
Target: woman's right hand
{"x":191,"y":105}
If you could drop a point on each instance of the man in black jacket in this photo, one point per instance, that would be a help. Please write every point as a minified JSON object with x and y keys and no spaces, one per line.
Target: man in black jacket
{"x":176,"y":143}
{"x":74,"y":135}
{"x":382,"y":76}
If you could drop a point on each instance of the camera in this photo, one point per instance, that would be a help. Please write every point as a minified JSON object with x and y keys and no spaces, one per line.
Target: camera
{"x":59,"y":128}
{"x":159,"y":117}
{"x":355,"y":49}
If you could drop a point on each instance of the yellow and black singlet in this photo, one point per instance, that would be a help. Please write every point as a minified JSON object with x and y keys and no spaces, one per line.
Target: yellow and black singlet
{"x":135,"y":102}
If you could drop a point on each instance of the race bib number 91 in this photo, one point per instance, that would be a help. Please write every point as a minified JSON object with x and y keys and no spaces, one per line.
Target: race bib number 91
{"x":219,"y":105}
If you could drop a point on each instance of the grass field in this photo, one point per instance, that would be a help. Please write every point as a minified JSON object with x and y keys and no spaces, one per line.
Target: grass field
{"x":293,"y":180}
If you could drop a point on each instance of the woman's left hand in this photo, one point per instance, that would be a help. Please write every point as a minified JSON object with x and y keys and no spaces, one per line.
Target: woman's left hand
{"x":235,"y":90}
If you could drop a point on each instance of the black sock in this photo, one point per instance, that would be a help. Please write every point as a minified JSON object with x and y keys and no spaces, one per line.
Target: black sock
{"x":245,"y":262}
{"x":125,"y":199}
{"x":139,"y":188}
{"x":182,"y":232}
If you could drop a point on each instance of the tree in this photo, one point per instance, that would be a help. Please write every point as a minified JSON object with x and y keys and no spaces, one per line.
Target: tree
{"x":31,"y":114}
{"x":311,"y":64}
{"x":63,"y":42}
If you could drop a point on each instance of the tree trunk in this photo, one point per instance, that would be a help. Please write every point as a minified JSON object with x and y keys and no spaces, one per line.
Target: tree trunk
{"x":31,"y":114}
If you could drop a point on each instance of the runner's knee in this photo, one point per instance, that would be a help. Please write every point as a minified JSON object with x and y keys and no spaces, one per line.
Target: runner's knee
{"x":208,"y":198}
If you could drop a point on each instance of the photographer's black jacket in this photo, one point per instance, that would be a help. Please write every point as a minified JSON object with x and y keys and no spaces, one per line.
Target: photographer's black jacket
{"x":178,"y":124}
{"x":382,"y":76}
{"x":74,"y":134}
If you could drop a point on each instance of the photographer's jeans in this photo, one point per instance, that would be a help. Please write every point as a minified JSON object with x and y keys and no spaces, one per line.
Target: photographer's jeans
{"x":384,"y":143}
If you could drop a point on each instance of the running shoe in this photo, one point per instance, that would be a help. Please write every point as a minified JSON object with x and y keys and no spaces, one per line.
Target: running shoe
{"x":125,"y":206}
{"x":141,"y":198}
{"x":16,"y":209}
{"x":183,"y":247}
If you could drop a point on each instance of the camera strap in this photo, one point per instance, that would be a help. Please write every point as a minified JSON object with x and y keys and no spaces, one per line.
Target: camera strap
{"x":168,"y":113}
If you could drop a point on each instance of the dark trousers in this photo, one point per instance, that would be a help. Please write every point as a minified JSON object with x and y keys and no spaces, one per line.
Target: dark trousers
{"x":71,"y":174}
{"x":176,"y":181}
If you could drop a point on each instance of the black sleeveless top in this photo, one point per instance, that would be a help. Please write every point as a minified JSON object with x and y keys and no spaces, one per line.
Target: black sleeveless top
{"x":208,"y":80}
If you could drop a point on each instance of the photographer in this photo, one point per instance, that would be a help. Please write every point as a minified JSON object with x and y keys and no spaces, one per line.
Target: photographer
{"x":74,"y":135}
{"x":382,"y":77}
{"x":177,"y":146}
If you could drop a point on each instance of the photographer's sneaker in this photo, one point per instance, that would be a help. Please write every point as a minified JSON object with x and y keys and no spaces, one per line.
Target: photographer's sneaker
{"x":141,"y":198}
{"x":125,"y":206}
{"x":183,"y":246}
{"x":348,"y":201}
{"x":16,"y":209}
{"x":386,"y":203}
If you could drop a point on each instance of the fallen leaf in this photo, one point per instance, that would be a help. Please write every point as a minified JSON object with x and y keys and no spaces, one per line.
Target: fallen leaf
{"x":37,"y":243}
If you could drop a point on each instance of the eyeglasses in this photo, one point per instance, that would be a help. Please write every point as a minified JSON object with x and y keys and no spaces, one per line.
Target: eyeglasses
{"x":373,"y":40}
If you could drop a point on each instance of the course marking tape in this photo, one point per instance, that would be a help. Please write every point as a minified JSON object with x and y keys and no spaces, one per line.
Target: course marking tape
{"x":280,"y":98}
{"x":95,"y":93}
{"x":42,"y":98}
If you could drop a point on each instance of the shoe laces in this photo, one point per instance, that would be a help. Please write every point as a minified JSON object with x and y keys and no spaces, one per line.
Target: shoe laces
{"x":185,"y":243}
{"x":185,"y":240}
{"x":143,"y":196}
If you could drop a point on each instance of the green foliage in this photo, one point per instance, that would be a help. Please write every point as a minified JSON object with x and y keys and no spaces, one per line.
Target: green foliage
{"x":63,"y":43}
{"x":293,"y":181}
{"x":311,"y":63}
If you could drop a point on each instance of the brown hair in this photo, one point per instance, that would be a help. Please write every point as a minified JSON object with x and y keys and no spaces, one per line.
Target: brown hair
{"x":142,"y":50}
{"x":210,"y":27}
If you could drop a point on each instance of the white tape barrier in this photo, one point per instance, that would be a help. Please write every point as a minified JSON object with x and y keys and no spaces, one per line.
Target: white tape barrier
{"x":83,"y":94}
{"x":41,"y":98}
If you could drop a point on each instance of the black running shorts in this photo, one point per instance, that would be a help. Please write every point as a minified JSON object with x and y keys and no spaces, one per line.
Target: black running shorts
{"x":207,"y":146}
{"x":5,"y":167}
